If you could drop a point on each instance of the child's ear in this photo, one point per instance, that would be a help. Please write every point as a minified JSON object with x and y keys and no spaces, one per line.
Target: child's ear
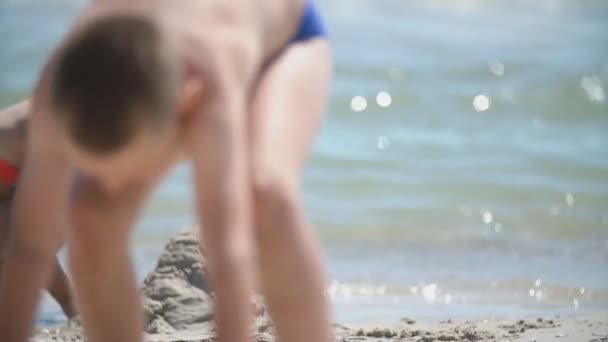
{"x":190,"y":95}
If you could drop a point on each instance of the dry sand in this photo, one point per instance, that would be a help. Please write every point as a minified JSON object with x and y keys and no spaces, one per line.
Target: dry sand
{"x":178,"y":305}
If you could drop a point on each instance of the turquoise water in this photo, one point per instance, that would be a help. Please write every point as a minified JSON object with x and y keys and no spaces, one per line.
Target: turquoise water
{"x":463,"y":168}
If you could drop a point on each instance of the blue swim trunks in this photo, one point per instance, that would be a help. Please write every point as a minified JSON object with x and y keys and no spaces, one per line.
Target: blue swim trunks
{"x":311,"y":25}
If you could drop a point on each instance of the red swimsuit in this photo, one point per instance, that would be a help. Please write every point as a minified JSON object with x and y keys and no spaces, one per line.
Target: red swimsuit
{"x":8,"y":173}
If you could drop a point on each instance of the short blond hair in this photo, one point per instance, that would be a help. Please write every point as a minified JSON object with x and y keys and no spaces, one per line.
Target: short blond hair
{"x":114,"y":77}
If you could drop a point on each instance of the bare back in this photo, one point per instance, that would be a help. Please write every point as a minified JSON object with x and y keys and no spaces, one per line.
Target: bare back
{"x":267,"y":23}
{"x":243,"y":35}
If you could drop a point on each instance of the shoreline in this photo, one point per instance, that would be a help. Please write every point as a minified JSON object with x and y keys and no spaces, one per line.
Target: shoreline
{"x":178,"y":306}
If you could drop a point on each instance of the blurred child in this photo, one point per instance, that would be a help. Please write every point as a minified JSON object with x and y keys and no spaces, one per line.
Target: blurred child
{"x":13,"y":127}
{"x":239,"y":88}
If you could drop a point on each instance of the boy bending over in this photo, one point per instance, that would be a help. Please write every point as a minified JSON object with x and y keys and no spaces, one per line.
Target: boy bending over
{"x":239,"y":88}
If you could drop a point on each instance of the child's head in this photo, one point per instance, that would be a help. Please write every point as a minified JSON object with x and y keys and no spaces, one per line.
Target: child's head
{"x":116,"y":81}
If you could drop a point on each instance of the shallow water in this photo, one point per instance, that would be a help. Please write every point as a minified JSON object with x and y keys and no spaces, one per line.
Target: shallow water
{"x":463,"y":167}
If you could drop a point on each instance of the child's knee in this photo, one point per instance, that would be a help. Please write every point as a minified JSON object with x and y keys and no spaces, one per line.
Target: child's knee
{"x":272,"y":187}
{"x":275,"y":198}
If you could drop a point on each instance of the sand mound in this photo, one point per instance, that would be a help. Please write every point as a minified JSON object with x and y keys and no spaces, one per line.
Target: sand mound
{"x":176,"y":296}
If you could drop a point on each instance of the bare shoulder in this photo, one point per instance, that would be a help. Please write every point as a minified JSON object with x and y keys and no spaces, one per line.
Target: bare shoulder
{"x":226,"y":62}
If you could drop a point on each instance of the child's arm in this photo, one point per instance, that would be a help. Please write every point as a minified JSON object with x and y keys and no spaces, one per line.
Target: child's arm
{"x":38,"y":216}
{"x":218,"y":144}
{"x":224,"y":209}
{"x":12,"y":144}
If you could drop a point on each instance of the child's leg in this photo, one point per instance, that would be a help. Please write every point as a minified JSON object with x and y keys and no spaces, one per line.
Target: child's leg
{"x":287,"y":112}
{"x":103,"y":277}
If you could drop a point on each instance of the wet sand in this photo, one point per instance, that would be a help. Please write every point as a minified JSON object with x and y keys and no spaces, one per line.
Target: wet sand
{"x":178,"y":306}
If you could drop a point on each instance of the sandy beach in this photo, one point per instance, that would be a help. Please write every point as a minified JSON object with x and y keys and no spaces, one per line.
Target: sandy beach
{"x":570,"y":330}
{"x":178,"y":306}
